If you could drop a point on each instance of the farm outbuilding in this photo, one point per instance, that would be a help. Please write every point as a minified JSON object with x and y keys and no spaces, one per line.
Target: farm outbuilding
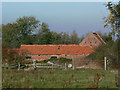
{"x":93,"y":40}
{"x":44,"y":52}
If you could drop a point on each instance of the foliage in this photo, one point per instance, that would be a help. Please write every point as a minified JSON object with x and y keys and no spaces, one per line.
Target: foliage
{"x":113,"y":20}
{"x":28,"y":30}
{"x":56,"y":38}
{"x":107,"y":37}
{"x":13,"y":56}
{"x":44,"y":35}
{"x":63,"y":60}
{"x":95,"y":84}
{"x":74,"y":37}
{"x":110,"y":50}
{"x":17,"y":33}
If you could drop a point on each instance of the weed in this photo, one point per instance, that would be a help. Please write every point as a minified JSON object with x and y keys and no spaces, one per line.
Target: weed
{"x":96,"y":81}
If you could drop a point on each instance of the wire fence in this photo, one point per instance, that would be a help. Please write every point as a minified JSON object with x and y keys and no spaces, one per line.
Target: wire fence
{"x":83,"y":63}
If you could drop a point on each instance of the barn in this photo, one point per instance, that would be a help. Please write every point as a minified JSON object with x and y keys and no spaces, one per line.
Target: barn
{"x":44,"y":52}
{"x":93,"y":39}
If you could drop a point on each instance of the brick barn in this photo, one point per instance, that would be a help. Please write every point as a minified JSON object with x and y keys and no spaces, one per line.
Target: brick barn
{"x":44,"y":52}
{"x":93,"y":40}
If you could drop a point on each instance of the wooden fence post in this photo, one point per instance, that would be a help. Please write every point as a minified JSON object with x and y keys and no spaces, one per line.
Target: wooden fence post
{"x":52,"y":66}
{"x":65,"y":66}
{"x":34,"y":63}
{"x":18,"y":66}
{"x":73,"y":62}
{"x":105,"y":63}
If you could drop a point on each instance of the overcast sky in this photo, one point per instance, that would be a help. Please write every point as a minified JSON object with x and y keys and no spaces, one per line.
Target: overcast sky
{"x":83,"y":17}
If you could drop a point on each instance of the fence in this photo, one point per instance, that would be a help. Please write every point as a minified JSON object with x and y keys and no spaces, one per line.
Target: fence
{"x":77,"y":63}
{"x":82,"y":63}
{"x":46,"y":65}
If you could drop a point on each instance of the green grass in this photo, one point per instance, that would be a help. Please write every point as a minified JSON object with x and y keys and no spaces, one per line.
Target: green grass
{"x":55,"y":78}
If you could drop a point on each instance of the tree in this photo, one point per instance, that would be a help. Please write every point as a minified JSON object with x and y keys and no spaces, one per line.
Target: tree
{"x":13,"y":56}
{"x":113,"y":20}
{"x":9,"y":35}
{"x":110,"y":50}
{"x":44,"y":34}
{"x":107,"y":37}
{"x":74,"y":38}
{"x":56,"y":38}
{"x":17,"y":33}
{"x":26,"y":26}
{"x":65,"y":38}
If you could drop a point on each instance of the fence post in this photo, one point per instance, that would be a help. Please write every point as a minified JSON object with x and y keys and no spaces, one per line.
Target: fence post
{"x":52,"y":66}
{"x":108,"y":67}
{"x":65,"y":66}
{"x":34,"y":63}
{"x":73,"y":62}
{"x":105,"y":63}
{"x":18,"y":66}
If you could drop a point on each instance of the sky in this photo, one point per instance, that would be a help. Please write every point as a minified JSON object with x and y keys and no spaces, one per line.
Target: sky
{"x":83,"y":17}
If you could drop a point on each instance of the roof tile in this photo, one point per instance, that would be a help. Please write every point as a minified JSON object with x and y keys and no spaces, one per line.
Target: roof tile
{"x":57,"y":49}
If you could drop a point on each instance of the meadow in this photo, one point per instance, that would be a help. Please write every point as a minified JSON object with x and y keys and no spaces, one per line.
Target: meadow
{"x":47,"y":78}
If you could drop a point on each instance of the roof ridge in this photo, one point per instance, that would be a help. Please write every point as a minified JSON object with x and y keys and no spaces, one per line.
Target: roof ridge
{"x":51,"y":45}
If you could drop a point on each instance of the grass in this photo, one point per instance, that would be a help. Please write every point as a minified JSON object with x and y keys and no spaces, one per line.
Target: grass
{"x":45,"y":78}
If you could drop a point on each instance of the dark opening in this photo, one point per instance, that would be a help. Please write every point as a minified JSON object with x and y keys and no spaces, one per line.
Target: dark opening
{"x":28,"y":57}
{"x":58,"y":47}
{"x":95,"y":33}
{"x":54,"y":57}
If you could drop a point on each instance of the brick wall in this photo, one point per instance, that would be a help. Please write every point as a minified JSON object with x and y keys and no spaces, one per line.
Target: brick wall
{"x":45,"y":57}
{"x":90,"y":40}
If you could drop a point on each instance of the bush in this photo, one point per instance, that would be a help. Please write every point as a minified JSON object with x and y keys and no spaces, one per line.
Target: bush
{"x":63,"y":60}
{"x":110,"y":50}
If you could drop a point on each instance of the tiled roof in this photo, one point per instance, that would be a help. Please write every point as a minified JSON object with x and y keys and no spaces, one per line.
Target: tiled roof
{"x":57,"y":49}
{"x":14,"y":49}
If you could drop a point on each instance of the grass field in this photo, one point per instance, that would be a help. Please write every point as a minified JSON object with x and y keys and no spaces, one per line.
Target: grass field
{"x":45,"y":78}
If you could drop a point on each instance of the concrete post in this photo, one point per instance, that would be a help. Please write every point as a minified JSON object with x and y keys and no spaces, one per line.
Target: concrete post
{"x":105,"y":63}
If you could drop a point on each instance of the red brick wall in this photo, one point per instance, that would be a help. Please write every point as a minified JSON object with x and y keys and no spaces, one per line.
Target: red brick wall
{"x":90,"y":40}
{"x":45,"y":57}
